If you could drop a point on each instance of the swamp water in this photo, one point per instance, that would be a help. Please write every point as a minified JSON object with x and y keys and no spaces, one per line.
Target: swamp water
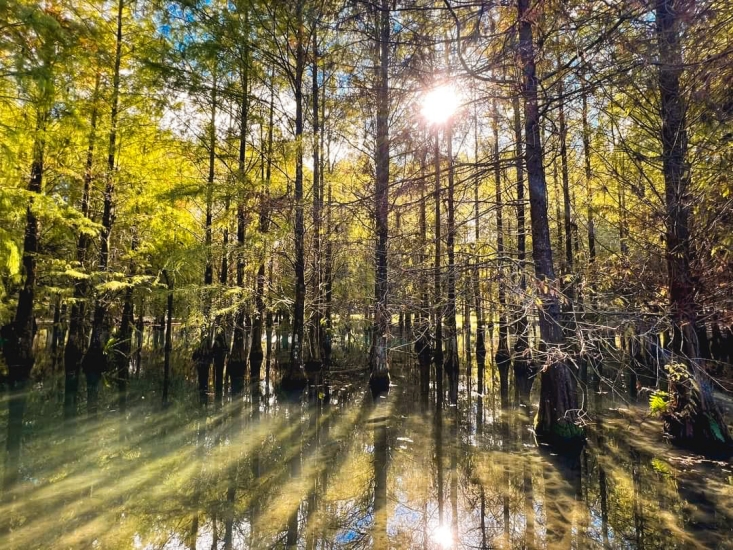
{"x":336,"y":470}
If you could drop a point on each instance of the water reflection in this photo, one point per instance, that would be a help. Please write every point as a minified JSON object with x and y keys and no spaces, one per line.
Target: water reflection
{"x":335,"y":469}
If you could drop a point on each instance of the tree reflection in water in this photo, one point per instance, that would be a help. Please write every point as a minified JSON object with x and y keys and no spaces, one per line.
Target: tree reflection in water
{"x":333,"y":469}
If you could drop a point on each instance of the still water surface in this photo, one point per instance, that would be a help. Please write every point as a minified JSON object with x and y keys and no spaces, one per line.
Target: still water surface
{"x":336,"y":470}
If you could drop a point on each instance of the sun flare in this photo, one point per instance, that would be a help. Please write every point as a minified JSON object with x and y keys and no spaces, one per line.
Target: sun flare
{"x":443,"y":536}
{"x":440,"y":103}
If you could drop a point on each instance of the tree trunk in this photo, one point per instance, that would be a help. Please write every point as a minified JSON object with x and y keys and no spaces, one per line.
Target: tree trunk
{"x":224,"y":269}
{"x":209,"y":267}
{"x":703,"y":426}
{"x":467,"y":299}
{"x":589,"y":362}
{"x":57,"y":331}
{"x":204,"y":351}
{"x":478,"y":303}
{"x":219,"y":353}
{"x":74,"y":350}
{"x":168,"y":339}
{"x":237,"y":367}
{"x":558,"y":401}
{"x":522,"y":372}
{"x":140,"y":334}
{"x":567,"y":214}
{"x":379,"y":380}
{"x":294,"y":378}
{"x":124,"y":348}
{"x":256,"y":354}
{"x":422,"y":337}
{"x":451,"y":360}
{"x":502,"y":357}
{"x":328,"y":271}
{"x":317,"y":332}
{"x":588,"y":181}
{"x":424,"y":314}
{"x":17,"y":336}
{"x":438,"y":305}
{"x":95,"y":359}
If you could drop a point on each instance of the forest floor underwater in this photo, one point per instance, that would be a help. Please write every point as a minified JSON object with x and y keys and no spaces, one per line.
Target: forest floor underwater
{"x":336,"y":469}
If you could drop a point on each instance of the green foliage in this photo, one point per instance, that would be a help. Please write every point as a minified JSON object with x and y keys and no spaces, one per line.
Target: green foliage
{"x":678,"y":373}
{"x":658,"y":403}
{"x":567,"y":431}
{"x":715,"y":429}
{"x":661,"y":467}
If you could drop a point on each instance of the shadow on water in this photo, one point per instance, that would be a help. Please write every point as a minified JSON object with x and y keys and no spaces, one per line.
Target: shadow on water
{"x":333,"y":468}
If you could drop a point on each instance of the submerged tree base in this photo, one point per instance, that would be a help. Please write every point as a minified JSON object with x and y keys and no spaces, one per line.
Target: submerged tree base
{"x":379,"y":383}
{"x":294,"y":380}
{"x":565,"y":437}
{"x":555,"y":423}
{"x":692,"y":419}
{"x":701,"y":435}
{"x":313,"y":366}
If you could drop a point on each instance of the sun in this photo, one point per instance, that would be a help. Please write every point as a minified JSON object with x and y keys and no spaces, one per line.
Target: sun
{"x":443,"y":536}
{"x":439,"y":104}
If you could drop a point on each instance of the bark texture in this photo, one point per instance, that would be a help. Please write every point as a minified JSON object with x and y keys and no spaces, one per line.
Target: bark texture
{"x":379,"y":380}
{"x":558,"y":400}
{"x":694,"y":417}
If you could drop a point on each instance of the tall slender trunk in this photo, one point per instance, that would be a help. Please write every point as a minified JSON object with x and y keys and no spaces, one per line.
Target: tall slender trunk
{"x":422,"y":337}
{"x":139,"y":330}
{"x":451,"y":360}
{"x":268,"y":327}
{"x":623,"y":232}
{"x":224,"y":268}
{"x":18,"y":335}
{"x":558,"y":399}
{"x":295,"y":377}
{"x":317,"y":333}
{"x":589,"y":362}
{"x":95,"y":360}
{"x":205,"y":348}
{"x":588,"y":181}
{"x":238,"y":360}
{"x":568,"y":286}
{"x":57,"y":330}
{"x":256,"y":354}
{"x":220,"y":346}
{"x":124,"y":349}
{"x":379,"y":380}
{"x":438,"y":299}
{"x":521,"y":363}
{"x":328,"y":260}
{"x":168,"y":339}
{"x":478,"y":303}
{"x":209,"y":267}
{"x":424,"y":287}
{"x":704,"y":425}
{"x":567,"y":214}
{"x":558,"y":212}
{"x":467,"y":301}
{"x":502,"y":353}
{"x":74,"y":350}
